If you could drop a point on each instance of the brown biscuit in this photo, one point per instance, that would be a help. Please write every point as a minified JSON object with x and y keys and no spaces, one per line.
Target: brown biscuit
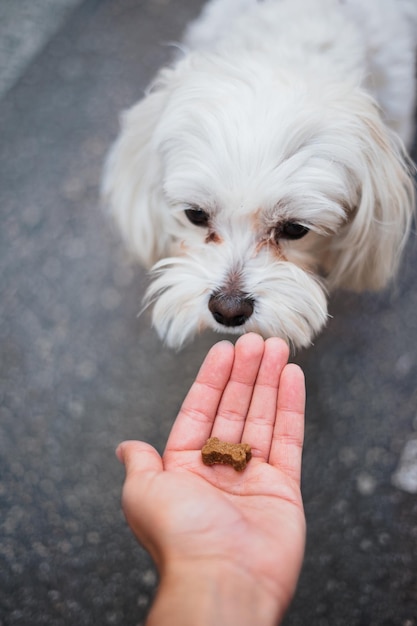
{"x":235,"y":454}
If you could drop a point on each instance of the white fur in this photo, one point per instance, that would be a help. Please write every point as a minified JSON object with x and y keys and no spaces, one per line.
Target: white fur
{"x":277,"y":111}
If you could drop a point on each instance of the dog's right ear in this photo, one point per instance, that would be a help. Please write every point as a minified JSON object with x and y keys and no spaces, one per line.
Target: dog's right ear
{"x":131,"y":185}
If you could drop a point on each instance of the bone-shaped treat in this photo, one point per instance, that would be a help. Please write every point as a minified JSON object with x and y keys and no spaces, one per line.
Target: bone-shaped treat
{"x":235,"y":454}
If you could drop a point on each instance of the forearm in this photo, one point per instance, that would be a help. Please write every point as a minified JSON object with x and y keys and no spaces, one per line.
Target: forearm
{"x":213,"y":596}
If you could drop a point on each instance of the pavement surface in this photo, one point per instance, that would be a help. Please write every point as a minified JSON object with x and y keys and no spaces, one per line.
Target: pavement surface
{"x":79,"y":371}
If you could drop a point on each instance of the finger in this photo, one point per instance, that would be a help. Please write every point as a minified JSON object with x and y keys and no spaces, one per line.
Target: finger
{"x":143,"y":467}
{"x":193,"y":425}
{"x":237,"y":396}
{"x":288,"y":435}
{"x":138,"y":456}
{"x":260,"y":422}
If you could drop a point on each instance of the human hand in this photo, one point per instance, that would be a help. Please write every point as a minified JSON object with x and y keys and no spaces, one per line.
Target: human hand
{"x":250,"y":525}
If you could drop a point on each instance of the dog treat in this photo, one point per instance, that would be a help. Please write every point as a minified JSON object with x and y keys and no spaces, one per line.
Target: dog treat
{"x":235,"y":454}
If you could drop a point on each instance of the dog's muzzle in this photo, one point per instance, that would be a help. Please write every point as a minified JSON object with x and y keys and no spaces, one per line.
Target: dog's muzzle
{"x":231,"y":309}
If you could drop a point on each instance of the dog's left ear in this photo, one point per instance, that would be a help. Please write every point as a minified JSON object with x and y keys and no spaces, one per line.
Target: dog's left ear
{"x":366,"y":253}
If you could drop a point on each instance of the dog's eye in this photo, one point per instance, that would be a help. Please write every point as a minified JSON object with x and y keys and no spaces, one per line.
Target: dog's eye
{"x":290,"y":230}
{"x":197,"y":216}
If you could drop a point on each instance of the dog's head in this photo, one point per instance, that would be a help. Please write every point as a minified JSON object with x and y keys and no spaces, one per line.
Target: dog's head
{"x":250,"y":194}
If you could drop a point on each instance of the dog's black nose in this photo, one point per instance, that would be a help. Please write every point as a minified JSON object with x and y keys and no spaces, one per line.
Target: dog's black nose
{"x":231,"y":309}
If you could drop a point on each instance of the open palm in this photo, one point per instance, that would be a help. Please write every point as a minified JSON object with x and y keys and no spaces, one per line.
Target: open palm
{"x":182,"y":510}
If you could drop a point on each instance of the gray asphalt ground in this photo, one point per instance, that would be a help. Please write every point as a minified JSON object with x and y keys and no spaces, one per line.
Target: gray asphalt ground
{"x":79,"y":371}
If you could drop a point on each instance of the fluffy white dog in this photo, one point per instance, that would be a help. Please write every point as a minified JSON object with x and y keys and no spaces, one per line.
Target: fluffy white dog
{"x":266,"y":165}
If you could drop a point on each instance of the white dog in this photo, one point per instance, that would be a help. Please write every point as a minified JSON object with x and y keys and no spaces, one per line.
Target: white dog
{"x":266,"y":165}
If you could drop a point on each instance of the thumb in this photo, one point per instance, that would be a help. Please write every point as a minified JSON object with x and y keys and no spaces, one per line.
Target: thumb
{"x":138,"y":456}
{"x":142,"y":463}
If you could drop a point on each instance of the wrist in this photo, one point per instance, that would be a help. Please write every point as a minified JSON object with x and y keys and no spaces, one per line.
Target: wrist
{"x":212,"y":593}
